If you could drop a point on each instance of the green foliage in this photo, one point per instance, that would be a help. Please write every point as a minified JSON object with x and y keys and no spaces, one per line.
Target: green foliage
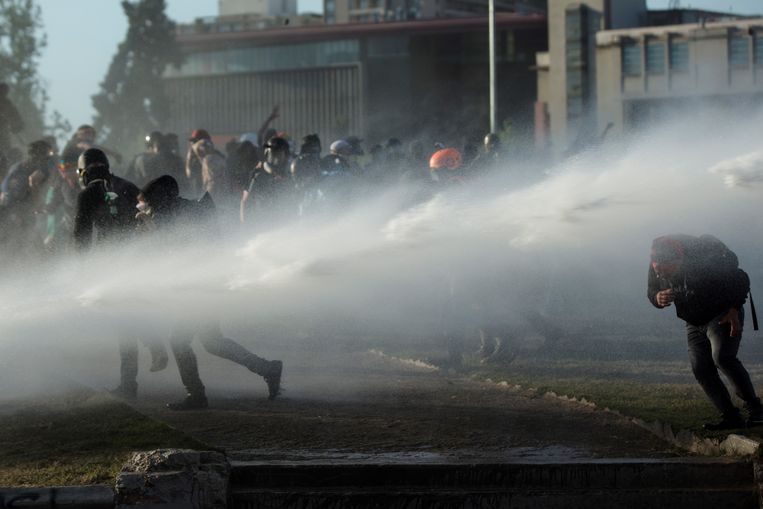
{"x":132,"y":100}
{"x":21,"y":44}
{"x":59,"y":127}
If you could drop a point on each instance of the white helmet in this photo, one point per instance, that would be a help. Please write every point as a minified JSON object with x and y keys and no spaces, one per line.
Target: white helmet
{"x":341,"y":148}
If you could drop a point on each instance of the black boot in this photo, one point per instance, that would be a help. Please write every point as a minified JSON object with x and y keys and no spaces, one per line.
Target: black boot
{"x":755,"y":412}
{"x":192,"y":401}
{"x":125,"y":390}
{"x":731,"y":420}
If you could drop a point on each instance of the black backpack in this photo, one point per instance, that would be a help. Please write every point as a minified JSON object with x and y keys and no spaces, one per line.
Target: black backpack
{"x":718,"y":256}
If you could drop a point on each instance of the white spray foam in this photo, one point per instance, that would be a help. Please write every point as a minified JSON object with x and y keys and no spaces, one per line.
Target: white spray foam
{"x":573,"y":245}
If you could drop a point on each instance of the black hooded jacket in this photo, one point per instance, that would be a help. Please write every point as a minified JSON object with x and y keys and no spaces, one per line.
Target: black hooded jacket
{"x":188,"y":219}
{"x":105,"y":207}
{"x":708,"y":283}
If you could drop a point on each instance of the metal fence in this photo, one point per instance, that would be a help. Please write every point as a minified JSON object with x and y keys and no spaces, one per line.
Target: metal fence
{"x":327,"y":100}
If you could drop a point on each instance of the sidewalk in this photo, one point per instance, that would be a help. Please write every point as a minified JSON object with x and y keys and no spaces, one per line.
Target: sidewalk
{"x":361,"y":406}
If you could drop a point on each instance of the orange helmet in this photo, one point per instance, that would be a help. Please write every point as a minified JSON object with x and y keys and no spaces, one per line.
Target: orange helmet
{"x":448,"y":158}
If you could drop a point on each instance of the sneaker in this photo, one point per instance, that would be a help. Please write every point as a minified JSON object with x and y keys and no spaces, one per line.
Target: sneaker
{"x":503,"y":353}
{"x":129,"y":391}
{"x":191,"y":402}
{"x":755,"y":417}
{"x":733,"y":422}
{"x":273,"y":379}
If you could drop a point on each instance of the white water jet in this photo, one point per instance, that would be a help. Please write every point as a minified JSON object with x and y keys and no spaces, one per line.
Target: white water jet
{"x":572,"y":245}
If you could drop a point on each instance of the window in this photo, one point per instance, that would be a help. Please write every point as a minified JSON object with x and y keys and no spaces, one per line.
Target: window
{"x":507,"y":46}
{"x":679,"y":56}
{"x":271,"y":58}
{"x":390,"y":46}
{"x":655,"y":57}
{"x":758,"y":44}
{"x":739,"y":50}
{"x":631,"y":54}
{"x":415,"y":9}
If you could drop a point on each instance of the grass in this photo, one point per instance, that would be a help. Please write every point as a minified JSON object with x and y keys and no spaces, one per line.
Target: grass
{"x":682,"y":405}
{"x":83,"y":440}
{"x":628,"y":377}
{"x":651,"y":391}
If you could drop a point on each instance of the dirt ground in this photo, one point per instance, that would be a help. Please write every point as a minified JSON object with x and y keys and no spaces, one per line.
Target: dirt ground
{"x":364,"y":405}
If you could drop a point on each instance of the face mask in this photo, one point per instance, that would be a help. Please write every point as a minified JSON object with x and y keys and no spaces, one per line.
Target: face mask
{"x":143,"y":207}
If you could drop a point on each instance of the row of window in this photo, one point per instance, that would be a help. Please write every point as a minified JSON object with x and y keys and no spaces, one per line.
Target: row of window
{"x":269,"y":58}
{"x":366,"y":4}
{"x":678,"y":55}
{"x":739,"y":50}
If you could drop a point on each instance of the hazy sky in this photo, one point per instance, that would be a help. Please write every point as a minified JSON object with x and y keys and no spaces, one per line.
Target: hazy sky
{"x":83,"y":36}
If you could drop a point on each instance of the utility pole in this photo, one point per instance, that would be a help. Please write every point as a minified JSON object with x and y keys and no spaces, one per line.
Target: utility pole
{"x":491,"y":50}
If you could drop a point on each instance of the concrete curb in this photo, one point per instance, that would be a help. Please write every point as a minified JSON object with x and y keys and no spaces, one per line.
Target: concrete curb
{"x":96,"y":496}
{"x":411,"y":363}
{"x":733,"y":445}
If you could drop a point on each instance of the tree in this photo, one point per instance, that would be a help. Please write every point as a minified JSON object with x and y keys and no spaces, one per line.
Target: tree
{"x":132,"y":100}
{"x":21,"y":43}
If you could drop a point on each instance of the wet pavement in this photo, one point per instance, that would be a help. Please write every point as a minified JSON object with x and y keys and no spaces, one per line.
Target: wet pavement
{"x":359,"y":407}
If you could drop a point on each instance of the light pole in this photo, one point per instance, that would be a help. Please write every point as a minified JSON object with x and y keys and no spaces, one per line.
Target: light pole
{"x":491,"y":50}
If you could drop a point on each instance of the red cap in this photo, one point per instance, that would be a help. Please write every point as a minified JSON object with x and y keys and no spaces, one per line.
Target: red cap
{"x":199,"y":134}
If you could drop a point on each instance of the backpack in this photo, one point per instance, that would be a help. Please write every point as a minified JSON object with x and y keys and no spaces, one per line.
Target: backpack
{"x":720,"y":257}
{"x":716,"y":255}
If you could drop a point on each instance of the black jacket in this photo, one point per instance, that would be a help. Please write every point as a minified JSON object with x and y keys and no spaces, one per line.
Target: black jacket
{"x":708,"y":283}
{"x":150,"y":165}
{"x":98,"y":212}
{"x":179,"y":220}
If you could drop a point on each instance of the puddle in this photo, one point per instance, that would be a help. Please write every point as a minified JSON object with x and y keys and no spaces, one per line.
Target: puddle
{"x":547,"y":454}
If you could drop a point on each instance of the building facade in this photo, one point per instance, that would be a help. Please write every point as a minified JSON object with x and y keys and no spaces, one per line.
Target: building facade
{"x":374,"y":11}
{"x":613,"y":65}
{"x":649,"y":73}
{"x":266,"y":8}
{"x":567,"y":73}
{"x":416,"y":79}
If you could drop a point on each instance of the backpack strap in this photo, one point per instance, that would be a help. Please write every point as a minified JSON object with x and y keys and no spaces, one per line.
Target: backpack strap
{"x":754,"y":315}
{"x":110,"y":197}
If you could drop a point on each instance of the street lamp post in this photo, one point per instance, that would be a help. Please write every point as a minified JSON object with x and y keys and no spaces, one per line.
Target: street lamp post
{"x":491,"y":50}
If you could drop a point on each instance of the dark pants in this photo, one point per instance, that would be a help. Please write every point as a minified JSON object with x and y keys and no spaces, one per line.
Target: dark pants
{"x":211,"y":338}
{"x":712,"y":348}
{"x":128,"y":362}
{"x":128,"y":358}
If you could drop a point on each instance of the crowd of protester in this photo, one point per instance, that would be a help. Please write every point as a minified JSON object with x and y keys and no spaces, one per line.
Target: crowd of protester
{"x":257,"y":180}
{"x":54,"y":202}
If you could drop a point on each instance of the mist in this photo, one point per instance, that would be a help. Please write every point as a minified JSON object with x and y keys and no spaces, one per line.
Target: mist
{"x":570,"y":243}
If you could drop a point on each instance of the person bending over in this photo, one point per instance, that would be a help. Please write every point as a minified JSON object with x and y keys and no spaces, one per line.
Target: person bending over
{"x":701,"y":276}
